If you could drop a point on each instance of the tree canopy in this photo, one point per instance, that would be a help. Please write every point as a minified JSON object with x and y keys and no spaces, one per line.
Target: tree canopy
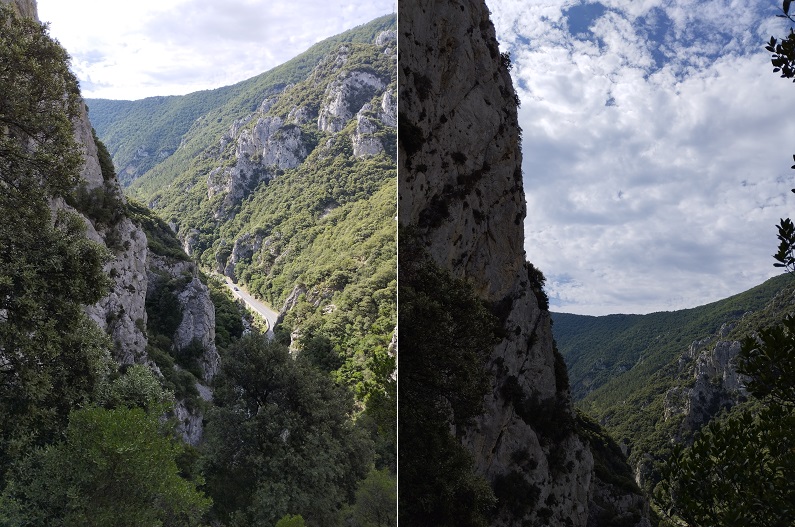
{"x":446,"y":336}
{"x":280,"y":439}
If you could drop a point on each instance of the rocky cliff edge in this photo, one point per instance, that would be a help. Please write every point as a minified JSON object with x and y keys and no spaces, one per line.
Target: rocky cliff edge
{"x":122,"y":313}
{"x":460,"y":190}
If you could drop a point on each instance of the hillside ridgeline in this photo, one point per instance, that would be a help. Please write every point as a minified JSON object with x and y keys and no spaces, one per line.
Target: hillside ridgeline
{"x":285,"y":183}
{"x":656,"y":379}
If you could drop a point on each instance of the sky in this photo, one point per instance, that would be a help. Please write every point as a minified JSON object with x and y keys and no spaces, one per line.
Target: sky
{"x":657,"y":147}
{"x":133,"y":50}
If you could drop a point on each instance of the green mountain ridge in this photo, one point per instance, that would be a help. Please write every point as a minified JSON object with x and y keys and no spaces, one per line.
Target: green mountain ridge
{"x":654,"y":380}
{"x":600,"y":349}
{"x":142,"y":133}
{"x":286,"y":183}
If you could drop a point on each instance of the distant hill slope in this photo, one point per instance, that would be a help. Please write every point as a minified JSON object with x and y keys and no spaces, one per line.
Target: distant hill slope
{"x":286,"y":183}
{"x":140,"y":134}
{"x":655,"y":379}
{"x":613,"y":350}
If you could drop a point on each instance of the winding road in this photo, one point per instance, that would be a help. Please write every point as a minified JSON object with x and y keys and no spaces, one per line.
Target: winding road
{"x":262,"y":309}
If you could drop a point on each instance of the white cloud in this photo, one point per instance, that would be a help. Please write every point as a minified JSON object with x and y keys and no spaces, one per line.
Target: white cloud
{"x":653,"y":164}
{"x":131,"y":50}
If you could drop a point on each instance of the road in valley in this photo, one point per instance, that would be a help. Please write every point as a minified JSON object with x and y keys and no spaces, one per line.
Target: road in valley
{"x":262,"y":309}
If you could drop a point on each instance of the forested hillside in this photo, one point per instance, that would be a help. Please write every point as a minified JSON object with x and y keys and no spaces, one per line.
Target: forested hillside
{"x":655,"y":380}
{"x":289,"y":189}
{"x":135,"y":390}
{"x":613,"y":350}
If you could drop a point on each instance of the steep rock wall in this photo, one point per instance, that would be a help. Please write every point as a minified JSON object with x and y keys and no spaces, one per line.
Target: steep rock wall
{"x":122,"y":313}
{"x":460,"y":190}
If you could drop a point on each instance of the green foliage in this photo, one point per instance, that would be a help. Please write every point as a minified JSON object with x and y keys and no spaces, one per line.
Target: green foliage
{"x":188,"y":357}
{"x":40,"y":97}
{"x":114,"y":468}
{"x":783,"y":54}
{"x":105,"y":161}
{"x":740,"y":469}
{"x":381,"y":411}
{"x":610,"y":465}
{"x":53,"y":355}
{"x":280,"y":440}
{"x":180,"y":366}
{"x":376,"y":501}
{"x":103,"y":205}
{"x":327,"y":225}
{"x":291,"y":521}
{"x":515,"y":494}
{"x":136,"y":387}
{"x":550,"y":418}
{"x":446,"y":337}
{"x":537,"y":281}
{"x":738,"y":472}
{"x":768,"y":359}
{"x":622,"y":352}
{"x":229,"y":314}
{"x":630,"y":362}
{"x":160,"y":239}
{"x":163,"y":308}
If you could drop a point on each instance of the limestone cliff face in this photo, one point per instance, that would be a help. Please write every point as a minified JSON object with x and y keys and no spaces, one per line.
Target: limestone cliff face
{"x":344,"y":96}
{"x":122,"y":313}
{"x":264,"y":144}
{"x":196,"y":328}
{"x":710,"y":364}
{"x":711,"y":383}
{"x":269,"y":146}
{"x":460,"y":188}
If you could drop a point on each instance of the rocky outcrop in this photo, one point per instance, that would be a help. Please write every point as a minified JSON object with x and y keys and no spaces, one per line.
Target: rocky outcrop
{"x":261,"y":151}
{"x":370,"y":121}
{"x":190,"y":241}
{"x":122,"y":313}
{"x":365,"y":142}
{"x":351,"y":108}
{"x":142,"y":160}
{"x":345,"y":96}
{"x":461,"y":192}
{"x":386,"y":38}
{"x":246,"y":245}
{"x":198,"y":326}
{"x":388,"y":113}
{"x":609,"y":505}
{"x":715,"y":384}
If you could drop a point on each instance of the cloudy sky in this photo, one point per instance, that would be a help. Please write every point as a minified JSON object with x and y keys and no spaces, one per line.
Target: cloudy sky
{"x":132,"y":50}
{"x":657,"y":148}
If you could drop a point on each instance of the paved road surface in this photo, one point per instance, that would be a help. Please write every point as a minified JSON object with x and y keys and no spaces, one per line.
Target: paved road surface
{"x":264,"y":310}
